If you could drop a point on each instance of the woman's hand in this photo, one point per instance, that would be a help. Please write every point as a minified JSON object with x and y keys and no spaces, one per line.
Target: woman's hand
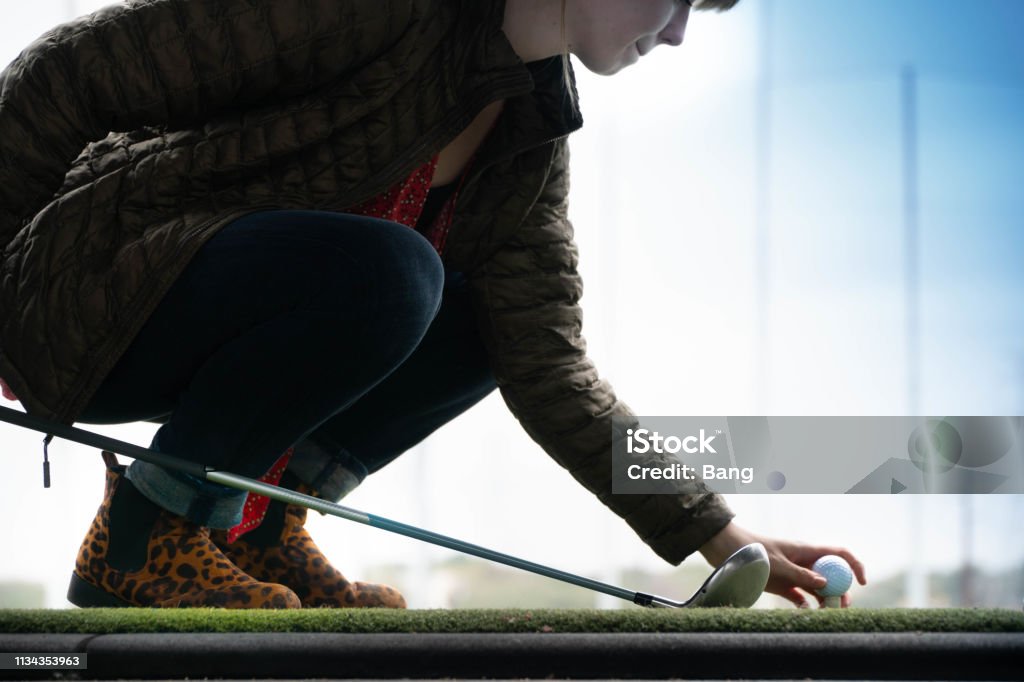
{"x":790,"y":563}
{"x":8,"y":393}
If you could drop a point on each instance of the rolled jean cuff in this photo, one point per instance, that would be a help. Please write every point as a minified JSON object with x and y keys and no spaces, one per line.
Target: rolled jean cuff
{"x":332,"y":473}
{"x":201,"y":502}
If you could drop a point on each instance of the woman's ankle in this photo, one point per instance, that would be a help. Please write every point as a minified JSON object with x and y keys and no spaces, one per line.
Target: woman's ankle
{"x":131,"y":519}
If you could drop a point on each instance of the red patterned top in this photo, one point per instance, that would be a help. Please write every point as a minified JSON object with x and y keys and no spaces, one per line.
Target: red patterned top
{"x":402,"y":203}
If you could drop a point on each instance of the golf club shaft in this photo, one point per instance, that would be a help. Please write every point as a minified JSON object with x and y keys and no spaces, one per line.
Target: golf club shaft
{"x":96,"y":440}
{"x":334,"y":509}
{"x":291,"y":497}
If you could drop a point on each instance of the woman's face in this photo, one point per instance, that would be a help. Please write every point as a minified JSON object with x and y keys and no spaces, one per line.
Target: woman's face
{"x":610,"y":34}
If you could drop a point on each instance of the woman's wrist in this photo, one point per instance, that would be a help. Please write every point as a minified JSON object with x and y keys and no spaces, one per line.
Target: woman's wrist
{"x":725,"y":542}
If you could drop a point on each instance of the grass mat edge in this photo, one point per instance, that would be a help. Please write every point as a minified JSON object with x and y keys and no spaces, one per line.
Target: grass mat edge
{"x":511,"y":620}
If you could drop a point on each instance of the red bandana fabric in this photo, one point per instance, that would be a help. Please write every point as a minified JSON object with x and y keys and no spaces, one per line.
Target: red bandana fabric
{"x":256,"y":505}
{"x":403,"y":203}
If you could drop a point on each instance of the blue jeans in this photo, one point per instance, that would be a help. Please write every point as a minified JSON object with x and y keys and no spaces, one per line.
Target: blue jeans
{"x":341,"y":335}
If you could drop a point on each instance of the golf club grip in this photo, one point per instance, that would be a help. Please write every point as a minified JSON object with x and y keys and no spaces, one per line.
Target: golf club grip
{"x":66,"y":432}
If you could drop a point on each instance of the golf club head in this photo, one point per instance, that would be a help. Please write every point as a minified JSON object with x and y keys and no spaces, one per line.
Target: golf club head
{"x":738,"y":582}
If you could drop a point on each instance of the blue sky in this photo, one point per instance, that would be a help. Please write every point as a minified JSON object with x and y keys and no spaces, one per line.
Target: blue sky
{"x":978,"y":40}
{"x":837,"y":66}
{"x":837,"y":71}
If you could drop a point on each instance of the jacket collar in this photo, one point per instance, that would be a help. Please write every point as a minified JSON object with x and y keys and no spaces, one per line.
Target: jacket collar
{"x":559,"y":113}
{"x":481,"y":67}
{"x":538,"y":108}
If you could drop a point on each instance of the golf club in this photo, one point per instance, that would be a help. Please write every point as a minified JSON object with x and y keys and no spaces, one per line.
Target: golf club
{"x":738,"y":582}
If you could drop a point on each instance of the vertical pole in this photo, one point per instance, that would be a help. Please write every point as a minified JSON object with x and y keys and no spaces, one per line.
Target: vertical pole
{"x":421,"y":568}
{"x":967,"y":528}
{"x":916,"y":586}
{"x":1018,"y":501}
{"x":762,"y":222}
{"x":910,"y":238}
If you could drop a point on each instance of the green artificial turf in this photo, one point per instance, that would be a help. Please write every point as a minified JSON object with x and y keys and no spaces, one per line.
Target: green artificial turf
{"x":100,"y":621}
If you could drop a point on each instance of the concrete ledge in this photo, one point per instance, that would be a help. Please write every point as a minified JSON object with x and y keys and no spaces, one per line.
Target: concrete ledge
{"x":883,"y":656}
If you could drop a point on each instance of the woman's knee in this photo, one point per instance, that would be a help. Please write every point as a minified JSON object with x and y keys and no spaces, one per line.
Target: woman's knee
{"x":409,"y":276}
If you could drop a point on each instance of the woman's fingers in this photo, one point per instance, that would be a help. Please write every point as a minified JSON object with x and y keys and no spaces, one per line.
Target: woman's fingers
{"x":792,"y":575}
{"x":858,"y":571}
{"x":844,"y":601}
{"x":803,"y":577}
{"x":797,"y":597}
{"x":801,"y":602}
{"x":857,"y":566}
{"x":808,"y":554}
{"x":809,"y":580}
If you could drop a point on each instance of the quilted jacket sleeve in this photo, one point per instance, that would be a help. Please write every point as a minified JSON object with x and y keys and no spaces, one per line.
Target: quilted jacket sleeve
{"x":527,"y":298}
{"x":166,"y":62}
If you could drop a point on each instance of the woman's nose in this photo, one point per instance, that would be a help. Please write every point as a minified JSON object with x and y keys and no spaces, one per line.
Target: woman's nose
{"x":673,"y":33}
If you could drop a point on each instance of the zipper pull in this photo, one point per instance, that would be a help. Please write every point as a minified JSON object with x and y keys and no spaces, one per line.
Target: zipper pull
{"x":46,"y":461}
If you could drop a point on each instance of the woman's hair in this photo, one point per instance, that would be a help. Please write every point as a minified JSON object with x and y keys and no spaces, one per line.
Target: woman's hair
{"x":717,"y":5}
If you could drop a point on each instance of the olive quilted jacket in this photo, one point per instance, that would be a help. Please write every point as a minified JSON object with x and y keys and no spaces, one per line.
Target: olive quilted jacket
{"x":130,"y":136}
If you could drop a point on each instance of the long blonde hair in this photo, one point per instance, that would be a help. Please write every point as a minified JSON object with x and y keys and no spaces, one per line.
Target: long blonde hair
{"x":566,"y":75}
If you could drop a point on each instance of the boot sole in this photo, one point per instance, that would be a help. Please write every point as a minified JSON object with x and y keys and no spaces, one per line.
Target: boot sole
{"x":86,"y":595}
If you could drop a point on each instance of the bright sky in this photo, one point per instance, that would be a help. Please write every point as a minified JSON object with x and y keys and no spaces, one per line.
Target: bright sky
{"x":664,"y":206}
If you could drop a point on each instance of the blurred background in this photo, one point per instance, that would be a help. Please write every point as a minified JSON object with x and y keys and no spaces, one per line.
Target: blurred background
{"x":812,"y":207}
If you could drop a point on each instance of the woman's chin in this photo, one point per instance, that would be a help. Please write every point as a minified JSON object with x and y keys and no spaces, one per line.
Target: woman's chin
{"x":609,"y":67}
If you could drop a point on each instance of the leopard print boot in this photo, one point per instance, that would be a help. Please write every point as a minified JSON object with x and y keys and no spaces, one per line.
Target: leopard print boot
{"x":177,"y":566}
{"x":281,"y":551}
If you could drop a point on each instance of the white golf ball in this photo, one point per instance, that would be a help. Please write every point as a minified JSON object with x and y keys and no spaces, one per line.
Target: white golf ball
{"x":837,"y":572}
